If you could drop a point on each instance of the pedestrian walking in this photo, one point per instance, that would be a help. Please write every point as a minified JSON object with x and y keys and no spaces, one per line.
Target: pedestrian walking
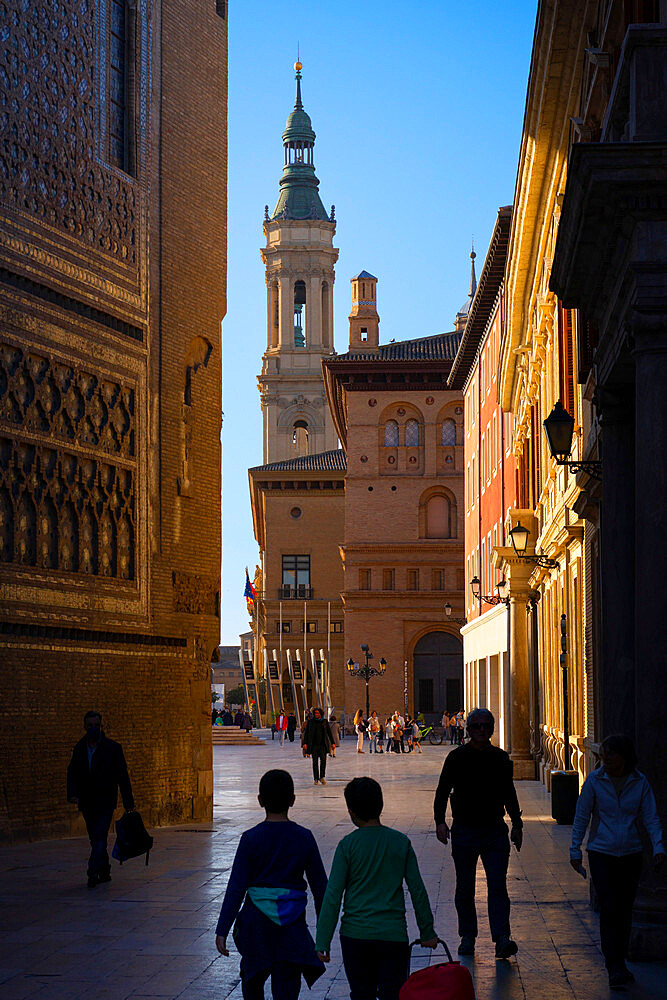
{"x":247,"y":722}
{"x":460,"y":727}
{"x":389,"y":734}
{"x":266,"y":898}
{"x":401,"y":723}
{"x":335,"y":733}
{"x":359,"y":729}
{"x":416,"y":737}
{"x":368,"y":869}
{"x":281,"y":726}
{"x":373,"y":731}
{"x":95,"y":773}
{"x":317,"y":741}
{"x":616,"y":796}
{"x":291,"y":726}
{"x":381,"y":738}
{"x":398,"y":734}
{"x":478,"y":776}
{"x":238,"y":718}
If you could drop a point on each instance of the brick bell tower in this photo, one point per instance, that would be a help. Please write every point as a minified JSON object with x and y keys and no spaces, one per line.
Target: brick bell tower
{"x":299,"y":257}
{"x":364,"y":319}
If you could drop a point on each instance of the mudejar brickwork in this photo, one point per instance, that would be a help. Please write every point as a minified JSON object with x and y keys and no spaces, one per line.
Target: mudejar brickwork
{"x":112,"y":290}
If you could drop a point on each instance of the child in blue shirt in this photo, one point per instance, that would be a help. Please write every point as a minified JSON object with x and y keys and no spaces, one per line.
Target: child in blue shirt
{"x":266,"y":895}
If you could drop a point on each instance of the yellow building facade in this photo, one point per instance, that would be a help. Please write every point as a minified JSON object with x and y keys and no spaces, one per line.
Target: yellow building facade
{"x":537,"y":368}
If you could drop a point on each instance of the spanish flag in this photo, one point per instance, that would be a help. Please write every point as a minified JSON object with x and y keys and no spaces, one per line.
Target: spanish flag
{"x":249,"y":593}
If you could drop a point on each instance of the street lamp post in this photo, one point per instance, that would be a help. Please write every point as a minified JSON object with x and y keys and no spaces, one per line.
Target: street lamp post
{"x":501,"y":589}
{"x":519,"y":537}
{"x":559,"y":429}
{"x":367,"y":671}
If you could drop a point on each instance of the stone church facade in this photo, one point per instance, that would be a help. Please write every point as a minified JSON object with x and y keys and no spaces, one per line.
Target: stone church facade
{"x":110,"y":371}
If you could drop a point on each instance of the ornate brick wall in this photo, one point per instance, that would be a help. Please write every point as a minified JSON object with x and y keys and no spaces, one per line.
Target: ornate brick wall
{"x":110,"y":369}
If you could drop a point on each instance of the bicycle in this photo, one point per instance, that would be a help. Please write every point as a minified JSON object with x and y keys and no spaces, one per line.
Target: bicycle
{"x":434,"y":738}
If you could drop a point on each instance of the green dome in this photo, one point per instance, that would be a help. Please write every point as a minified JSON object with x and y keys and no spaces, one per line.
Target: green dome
{"x":299,"y":196}
{"x":298,"y":126}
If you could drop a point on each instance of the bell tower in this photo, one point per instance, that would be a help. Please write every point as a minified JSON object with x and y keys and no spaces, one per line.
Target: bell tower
{"x":364,"y":319}
{"x":299,"y":257}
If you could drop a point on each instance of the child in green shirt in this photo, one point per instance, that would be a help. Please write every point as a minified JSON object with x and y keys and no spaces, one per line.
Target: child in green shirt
{"x":369,"y":868}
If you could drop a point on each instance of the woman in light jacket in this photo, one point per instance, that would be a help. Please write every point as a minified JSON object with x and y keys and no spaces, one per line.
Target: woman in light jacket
{"x":613,"y":798}
{"x":359,"y":730}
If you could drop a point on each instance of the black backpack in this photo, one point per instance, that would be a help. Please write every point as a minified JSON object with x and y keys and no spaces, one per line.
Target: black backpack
{"x":132,"y":838}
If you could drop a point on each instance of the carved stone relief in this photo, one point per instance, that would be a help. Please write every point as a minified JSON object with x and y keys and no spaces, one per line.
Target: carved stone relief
{"x":194,"y":594}
{"x":49,"y":167}
{"x":60,"y":509}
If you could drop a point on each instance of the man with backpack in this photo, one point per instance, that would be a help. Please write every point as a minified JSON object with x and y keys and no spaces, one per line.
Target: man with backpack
{"x":96,"y":772}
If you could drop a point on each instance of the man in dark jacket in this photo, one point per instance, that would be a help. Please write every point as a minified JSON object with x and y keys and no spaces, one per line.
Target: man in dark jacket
{"x":317,"y":741}
{"x":478,"y":776}
{"x":291,"y":726}
{"x":95,"y":773}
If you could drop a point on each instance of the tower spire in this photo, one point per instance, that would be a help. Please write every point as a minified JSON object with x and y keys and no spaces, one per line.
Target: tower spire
{"x":298,"y":66}
{"x":299,"y":195}
{"x":473,"y":278}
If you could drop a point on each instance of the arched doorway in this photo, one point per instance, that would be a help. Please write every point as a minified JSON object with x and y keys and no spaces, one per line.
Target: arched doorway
{"x":438,"y":675}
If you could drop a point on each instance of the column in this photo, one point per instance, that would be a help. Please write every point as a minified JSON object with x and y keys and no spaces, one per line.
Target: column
{"x":649,"y":936}
{"x":524,"y":765}
{"x":286,"y":306}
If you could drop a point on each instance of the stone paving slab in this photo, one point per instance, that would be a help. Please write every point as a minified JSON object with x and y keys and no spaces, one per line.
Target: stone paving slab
{"x":149,"y":934}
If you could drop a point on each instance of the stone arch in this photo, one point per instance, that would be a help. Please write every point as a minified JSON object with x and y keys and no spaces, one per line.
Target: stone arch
{"x":437,"y":513}
{"x":449,"y":413}
{"x":436,"y":655}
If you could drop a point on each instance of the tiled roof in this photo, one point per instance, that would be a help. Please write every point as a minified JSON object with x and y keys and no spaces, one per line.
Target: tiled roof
{"x":441,"y":347}
{"x":364,"y":274}
{"x":325,"y":461}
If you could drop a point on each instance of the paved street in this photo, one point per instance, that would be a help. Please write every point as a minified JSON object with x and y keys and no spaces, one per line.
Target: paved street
{"x":150,"y":933}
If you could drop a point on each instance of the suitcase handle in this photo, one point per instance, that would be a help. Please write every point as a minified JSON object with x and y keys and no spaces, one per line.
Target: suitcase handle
{"x":440,"y":941}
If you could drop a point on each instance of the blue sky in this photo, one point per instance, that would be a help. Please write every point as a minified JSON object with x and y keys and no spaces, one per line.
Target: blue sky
{"x":418,"y":111}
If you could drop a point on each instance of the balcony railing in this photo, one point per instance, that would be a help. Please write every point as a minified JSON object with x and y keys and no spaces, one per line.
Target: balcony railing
{"x":298,"y":593}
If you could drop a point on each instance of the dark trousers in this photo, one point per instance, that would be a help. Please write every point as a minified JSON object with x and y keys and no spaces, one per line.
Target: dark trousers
{"x":319,"y":762}
{"x":615,"y":880}
{"x":97,"y":825}
{"x":493,"y":847}
{"x":285,"y":982}
{"x":375,"y":968}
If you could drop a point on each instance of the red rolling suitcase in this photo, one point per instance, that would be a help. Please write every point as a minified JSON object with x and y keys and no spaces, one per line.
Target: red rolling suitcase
{"x":447,"y":981}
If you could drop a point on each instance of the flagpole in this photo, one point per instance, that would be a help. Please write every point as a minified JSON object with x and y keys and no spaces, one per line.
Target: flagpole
{"x":328,"y":654}
{"x":305,"y":645}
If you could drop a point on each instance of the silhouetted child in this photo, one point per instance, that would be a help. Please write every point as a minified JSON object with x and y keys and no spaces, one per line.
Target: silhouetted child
{"x":369,"y":867}
{"x":270,"y":930}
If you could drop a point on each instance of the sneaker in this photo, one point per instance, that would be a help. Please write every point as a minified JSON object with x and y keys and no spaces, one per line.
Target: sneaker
{"x":506,"y":947}
{"x":467,"y":945}
{"x":322,"y":781}
{"x":316,"y":782}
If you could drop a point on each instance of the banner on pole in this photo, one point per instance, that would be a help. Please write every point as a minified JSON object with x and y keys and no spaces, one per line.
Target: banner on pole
{"x":274,"y":676}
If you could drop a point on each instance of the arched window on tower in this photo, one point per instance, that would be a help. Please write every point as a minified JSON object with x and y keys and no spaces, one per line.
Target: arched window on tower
{"x":300,"y":437}
{"x":412,"y":434}
{"x":391,"y":434}
{"x":299,"y":314}
{"x":448,"y":433}
{"x":438,"y":517}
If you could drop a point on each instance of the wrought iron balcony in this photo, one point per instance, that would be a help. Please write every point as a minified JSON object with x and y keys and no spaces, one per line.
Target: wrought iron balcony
{"x":298,"y":593}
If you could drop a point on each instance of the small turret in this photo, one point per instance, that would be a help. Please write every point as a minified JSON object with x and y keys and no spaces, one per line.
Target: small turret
{"x":364,"y":319}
